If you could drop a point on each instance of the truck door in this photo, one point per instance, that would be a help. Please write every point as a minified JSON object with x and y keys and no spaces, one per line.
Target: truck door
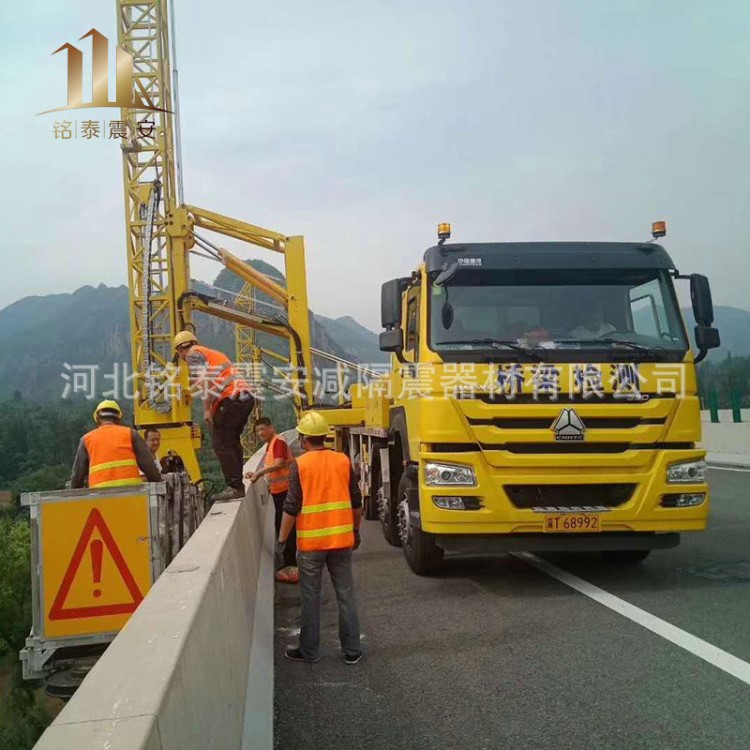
{"x":411,"y":343}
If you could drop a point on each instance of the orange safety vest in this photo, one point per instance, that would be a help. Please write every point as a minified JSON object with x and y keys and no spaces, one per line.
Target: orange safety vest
{"x":112,"y":461}
{"x":225,"y":380}
{"x":326,"y":520}
{"x":278,"y":481}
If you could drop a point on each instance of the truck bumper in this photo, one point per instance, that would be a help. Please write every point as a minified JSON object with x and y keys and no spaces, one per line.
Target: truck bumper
{"x":477,"y":544}
{"x":499,"y":513}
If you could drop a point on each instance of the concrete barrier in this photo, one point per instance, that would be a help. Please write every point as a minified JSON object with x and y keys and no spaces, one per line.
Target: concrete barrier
{"x":727,"y":442}
{"x":727,"y":437}
{"x":193,"y":668}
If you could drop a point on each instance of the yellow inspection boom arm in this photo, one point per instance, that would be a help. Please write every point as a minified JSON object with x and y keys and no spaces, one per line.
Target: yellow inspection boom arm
{"x":250,"y":275}
{"x":219,"y":309}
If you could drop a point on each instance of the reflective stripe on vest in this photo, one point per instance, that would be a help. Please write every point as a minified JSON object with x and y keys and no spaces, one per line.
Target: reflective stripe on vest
{"x":326,"y":520}
{"x":224,"y":380}
{"x":112,"y":461}
{"x":278,"y":481}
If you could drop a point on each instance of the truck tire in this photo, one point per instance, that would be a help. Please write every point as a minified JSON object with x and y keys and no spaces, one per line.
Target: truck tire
{"x":421,"y":551}
{"x":388,"y":515}
{"x":371,"y":511}
{"x":626,"y":556}
{"x":371,"y":503}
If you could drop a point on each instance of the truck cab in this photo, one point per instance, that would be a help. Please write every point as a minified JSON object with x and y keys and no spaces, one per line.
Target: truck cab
{"x":543,"y":397}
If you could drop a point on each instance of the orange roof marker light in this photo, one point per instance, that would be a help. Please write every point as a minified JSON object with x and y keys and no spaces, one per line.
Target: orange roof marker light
{"x":444,"y":232}
{"x":659,"y":229}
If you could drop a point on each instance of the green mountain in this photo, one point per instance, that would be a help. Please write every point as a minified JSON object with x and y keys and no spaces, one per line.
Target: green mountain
{"x":41,"y":338}
{"x":359,"y":342}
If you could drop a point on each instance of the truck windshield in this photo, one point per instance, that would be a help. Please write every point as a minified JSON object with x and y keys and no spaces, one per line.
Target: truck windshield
{"x":563,"y":315}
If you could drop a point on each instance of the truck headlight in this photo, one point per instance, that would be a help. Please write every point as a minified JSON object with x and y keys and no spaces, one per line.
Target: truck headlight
{"x":456,"y":502}
{"x":687,"y":472}
{"x":449,"y":474}
{"x":684,"y":500}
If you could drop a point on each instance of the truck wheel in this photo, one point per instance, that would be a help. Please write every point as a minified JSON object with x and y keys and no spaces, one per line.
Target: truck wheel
{"x":372,"y":503}
{"x":420,"y":549}
{"x":626,"y":556}
{"x":388,"y":516}
{"x":371,"y":510}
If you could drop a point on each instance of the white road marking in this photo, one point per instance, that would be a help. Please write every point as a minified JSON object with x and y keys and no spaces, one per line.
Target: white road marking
{"x":696,"y":646}
{"x":715,"y":467}
{"x":288,"y":631}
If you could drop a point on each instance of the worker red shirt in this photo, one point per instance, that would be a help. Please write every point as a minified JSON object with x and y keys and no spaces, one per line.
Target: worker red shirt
{"x":279,"y":448}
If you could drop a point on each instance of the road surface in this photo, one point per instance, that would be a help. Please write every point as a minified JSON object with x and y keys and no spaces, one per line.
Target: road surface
{"x":496,"y":653}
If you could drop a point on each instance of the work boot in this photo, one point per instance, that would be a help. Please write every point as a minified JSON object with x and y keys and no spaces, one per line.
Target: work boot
{"x":296,"y":655}
{"x":228,"y":494}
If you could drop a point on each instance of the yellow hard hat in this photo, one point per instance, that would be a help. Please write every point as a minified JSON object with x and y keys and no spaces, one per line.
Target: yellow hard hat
{"x":184,"y":337}
{"x":313,"y":424}
{"x":107,"y":409}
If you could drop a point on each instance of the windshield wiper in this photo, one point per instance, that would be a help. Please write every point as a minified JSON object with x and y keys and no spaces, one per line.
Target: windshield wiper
{"x":497,"y":343}
{"x":640,"y":348}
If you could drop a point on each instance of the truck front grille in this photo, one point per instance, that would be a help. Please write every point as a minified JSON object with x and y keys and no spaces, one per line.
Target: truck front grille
{"x":557,"y":447}
{"x":568,"y":495}
{"x":563,"y":398}
{"x":545,"y":423}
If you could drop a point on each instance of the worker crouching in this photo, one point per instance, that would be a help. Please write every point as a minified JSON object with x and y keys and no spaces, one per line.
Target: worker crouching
{"x":325,"y":504}
{"x":227,"y":405}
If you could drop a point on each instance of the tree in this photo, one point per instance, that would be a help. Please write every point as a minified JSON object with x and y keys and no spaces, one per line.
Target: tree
{"x":22,"y":719}
{"x":727,"y":378}
{"x":15,"y":583}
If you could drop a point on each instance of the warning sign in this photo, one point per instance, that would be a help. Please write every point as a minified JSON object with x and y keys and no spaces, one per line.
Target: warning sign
{"x":96,"y":563}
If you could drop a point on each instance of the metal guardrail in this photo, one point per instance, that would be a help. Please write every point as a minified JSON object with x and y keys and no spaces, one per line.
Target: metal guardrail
{"x":179,"y":514}
{"x":95,"y":553}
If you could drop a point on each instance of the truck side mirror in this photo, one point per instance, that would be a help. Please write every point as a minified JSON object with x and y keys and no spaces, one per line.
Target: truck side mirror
{"x":706,"y":337}
{"x":700,"y":296}
{"x":390,"y":303}
{"x":392,"y":341}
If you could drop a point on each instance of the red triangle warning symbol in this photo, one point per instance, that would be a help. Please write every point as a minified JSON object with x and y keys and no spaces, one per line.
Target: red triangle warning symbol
{"x":95,"y":523}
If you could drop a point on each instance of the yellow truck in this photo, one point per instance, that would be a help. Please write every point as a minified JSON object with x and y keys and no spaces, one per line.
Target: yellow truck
{"x":542,"y":397}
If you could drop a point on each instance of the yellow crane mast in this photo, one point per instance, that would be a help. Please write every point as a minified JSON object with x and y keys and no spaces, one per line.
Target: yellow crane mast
{"x":160,"y":234}
{"x":157,"y":255}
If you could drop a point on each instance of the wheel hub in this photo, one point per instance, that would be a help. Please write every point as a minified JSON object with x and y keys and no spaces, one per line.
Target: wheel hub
{"x":382,"y":504}
{"x":404,"y":522}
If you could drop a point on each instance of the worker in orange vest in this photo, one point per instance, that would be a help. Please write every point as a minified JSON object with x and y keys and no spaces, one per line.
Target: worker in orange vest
{"x":276,"y":462}
{"x":325,"y":504}
{"x":227,"y":405}
{"x":112,"y":455}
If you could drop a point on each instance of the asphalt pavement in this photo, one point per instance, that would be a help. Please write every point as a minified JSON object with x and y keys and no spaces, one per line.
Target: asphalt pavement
{"x":495,"y":653}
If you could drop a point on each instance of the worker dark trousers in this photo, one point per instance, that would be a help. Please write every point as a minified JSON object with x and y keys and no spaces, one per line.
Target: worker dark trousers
{"x":230,"y":418}
{"x":339,"y":564}
{"x":290,"y":551}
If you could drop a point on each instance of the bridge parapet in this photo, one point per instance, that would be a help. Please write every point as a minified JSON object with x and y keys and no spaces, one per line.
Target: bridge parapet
{"x":177,"y":675}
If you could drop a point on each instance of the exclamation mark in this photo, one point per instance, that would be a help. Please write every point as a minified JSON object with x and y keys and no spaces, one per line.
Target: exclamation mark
{"x":96,"y":563}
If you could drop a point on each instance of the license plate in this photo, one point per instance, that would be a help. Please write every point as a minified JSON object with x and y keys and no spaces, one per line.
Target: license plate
{"x":572,"y":523}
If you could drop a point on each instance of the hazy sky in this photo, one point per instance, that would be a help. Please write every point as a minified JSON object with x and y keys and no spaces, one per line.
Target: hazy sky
{"x":363,"y":125}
